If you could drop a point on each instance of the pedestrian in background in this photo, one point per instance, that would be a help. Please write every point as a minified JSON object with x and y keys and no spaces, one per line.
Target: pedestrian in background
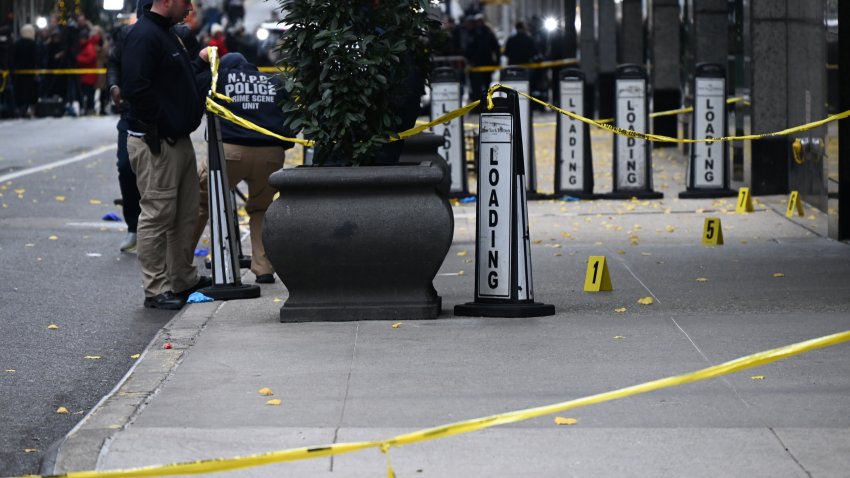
{"x":87,"y":58}
{"x":482,"y":50}
{"x":158,"y":83}
{"x":25,"y":57}
{"x":250,"y":156}
{"x":520,"y":48}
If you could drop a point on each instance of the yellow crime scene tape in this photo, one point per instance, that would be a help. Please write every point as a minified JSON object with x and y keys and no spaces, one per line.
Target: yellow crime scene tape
{"x":5,"y":76}
{"x":530,"y":66}
{"x":466,"y":426}
{"x":668,"y":139}
{"x":62,"y":71}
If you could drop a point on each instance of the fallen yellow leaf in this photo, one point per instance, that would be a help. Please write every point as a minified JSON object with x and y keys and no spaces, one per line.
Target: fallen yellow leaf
{"x":669,"y":228}
{"x":397,"y":325}
{"x":565,"y":421}
{"x":558,"y":254}
{"x":646,"y":253}
{"x":30,"y":450}
{"x":53,"y":327}
{"x":29,"y":245}
{"x":10,"y":370}
{"x":619,"y":337}
{"x":20,"y":191}
{"x":135,"y":356}
{"x":757,"y":377}
{"x":277,"y":299}
{"x":265,"y":391}
{"x":621,"y":309}
{"x":646,"y":300}
{"x":274,"y":402}
{"x":53,"y":238}
{"x":62,"y":410}
{"x":621,"y":251}
{"x":702,"y":279}
{"x":778,"y":274}
{"x":92,"y":357}
{"x":460,"y":273}
{"x":94,"y":201}
{"x":462,"y":254}
{"x":60,"y":198}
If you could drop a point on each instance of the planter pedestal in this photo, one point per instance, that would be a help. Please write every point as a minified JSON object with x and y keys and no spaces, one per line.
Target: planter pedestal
{"x":359,"y":243}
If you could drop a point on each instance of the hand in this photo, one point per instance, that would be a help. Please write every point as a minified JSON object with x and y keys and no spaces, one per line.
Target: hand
{"x":115,"y":93}
{"x":204,"y":54}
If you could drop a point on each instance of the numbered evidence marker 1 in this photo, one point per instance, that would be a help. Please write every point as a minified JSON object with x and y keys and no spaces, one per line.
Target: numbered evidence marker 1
{"x":503,"y":282}
{"x":745,"y":202}
{"x":708,"y":171}
{"x":518,"y":79}
{"x":597,"y":278}
{"x":445,"y":98}
{"x":632,"y":156}
{"x":794,"y":203}
{"x":573,"y":156}
{"x":712,"y":233}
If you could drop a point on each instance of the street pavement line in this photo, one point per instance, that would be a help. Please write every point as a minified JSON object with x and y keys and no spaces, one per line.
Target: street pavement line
{"x":225,"y":464}
{"x":56,"y":164}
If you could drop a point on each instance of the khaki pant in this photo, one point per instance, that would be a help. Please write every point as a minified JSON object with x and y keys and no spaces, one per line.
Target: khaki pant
{"x":254,"y":165}
{"x":168,"y":184}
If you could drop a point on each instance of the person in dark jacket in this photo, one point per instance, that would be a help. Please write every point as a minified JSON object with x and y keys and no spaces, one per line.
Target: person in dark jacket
{"x":250,"y":156}
{"x":126,"y":177}
{"x":520,"y":47}
{"x":24,"y":57}
{"x":482,"y":50}
{"x":165,"y":106}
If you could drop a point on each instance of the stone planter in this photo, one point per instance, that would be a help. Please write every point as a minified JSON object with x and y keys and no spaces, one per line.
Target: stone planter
{"x":359,"y":243}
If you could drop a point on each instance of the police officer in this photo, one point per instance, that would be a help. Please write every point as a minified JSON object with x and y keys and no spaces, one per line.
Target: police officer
{"x":250,"y":156}
{"x":166,"y":105}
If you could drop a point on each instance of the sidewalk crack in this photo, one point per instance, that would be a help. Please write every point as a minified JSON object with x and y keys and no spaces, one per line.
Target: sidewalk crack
{"x":785,"y":447}
{"x":345,"y":396}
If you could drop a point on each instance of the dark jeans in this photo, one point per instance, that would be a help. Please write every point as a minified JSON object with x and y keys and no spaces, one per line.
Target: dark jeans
{"x":127,"y":180}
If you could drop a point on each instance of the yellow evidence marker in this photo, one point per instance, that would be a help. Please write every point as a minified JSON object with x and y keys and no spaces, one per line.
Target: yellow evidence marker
{"x":597,"y":278}
{"x":794,"y":203}
{"x":712,"y":233}
{"x":745,"y":202}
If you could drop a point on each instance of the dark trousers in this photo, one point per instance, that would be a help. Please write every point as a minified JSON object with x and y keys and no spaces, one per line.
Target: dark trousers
{"x":479,"y":83}
{"x":127,"y":180}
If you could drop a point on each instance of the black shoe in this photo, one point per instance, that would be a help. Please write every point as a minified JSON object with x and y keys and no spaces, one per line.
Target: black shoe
{"x":166,"y":300}
{"x":265,"y":279}
{"x":203,"y":281}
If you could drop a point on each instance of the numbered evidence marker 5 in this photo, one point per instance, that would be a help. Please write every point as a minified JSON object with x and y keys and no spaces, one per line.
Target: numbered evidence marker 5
{"x":597,"y":278}
{"x":745,"y":202}
{"x":712,"y":233}
{"x":794,"y":203}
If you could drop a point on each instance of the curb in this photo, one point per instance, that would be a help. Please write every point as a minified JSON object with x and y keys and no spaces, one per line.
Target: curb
{"x":81,"y":447}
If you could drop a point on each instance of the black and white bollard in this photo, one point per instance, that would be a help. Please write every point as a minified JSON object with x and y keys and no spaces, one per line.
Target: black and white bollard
{"x":503,"y":280}
{"x":632,"y":156}
{"x":445,"y":98}
{"x":573,"y":154}
{"x":519,"y":79}
{"x":226,"y":278}
{"x":708,"y":168}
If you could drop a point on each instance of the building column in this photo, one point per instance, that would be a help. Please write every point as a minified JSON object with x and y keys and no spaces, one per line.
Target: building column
{"x":588,"y":59}
{"x":632,"y":49}
{"x":665,"y":61}
{"x":839,"y":211}
{"x":607,"y":21}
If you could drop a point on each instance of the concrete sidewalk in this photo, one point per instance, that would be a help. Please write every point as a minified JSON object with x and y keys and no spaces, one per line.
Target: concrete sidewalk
{"x":342,"y":382}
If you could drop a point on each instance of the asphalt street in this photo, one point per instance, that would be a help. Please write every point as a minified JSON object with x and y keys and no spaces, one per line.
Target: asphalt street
{"x":60,"y":265}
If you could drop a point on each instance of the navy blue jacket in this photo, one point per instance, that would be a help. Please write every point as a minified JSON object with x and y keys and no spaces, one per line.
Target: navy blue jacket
{"x":256,"y":97}
{"x":158,"y":78}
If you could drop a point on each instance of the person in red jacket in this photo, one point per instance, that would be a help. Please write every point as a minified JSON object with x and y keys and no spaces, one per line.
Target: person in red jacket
{"x":87,"y":58}
{"x":217,"y":39}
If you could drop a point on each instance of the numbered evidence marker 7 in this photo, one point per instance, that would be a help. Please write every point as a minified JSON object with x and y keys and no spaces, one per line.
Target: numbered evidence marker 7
{"x":712,"y":233}
{"x":597,"y":278}
{"x":494,"y":204}
{"x":745,"y":202}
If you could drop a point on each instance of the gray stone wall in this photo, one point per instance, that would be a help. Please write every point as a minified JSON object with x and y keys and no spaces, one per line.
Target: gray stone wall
{"x":632,"y":48}
{"x":665,"y":46}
